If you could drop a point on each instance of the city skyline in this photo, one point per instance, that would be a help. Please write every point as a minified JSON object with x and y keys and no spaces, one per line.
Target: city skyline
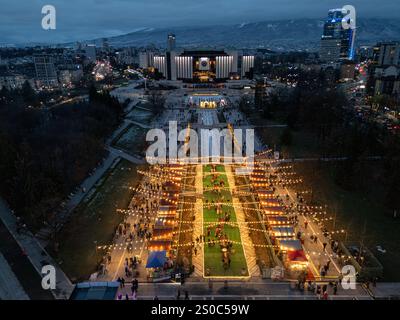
{"x":89,"y":19}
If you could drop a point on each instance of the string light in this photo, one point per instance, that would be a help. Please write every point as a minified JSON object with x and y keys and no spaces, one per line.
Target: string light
{"x":260,"y":177}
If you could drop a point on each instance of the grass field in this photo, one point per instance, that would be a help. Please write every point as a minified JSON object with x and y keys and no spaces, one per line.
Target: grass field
{"x":95,"y":219}
{"x":132,"y":140}
{"x":140,"y":115}
{"x":212,"y":255}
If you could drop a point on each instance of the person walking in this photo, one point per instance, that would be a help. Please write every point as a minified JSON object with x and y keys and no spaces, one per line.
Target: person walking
{"x":335,"y":287}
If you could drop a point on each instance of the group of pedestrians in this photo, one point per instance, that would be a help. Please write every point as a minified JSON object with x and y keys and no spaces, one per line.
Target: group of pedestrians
{"x":134,"y":289}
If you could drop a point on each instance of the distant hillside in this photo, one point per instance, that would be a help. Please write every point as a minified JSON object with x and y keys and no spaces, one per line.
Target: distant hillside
{"x":298,"y":34}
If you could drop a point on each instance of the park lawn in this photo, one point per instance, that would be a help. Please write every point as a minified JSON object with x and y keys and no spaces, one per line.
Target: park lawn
{"x":140,"y":114}
{"x":95,"y":220}
{"x":131,"y":140}
{"x":212,"y":255}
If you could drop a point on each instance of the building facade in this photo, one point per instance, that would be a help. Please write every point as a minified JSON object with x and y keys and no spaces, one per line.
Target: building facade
{"x":204,"y":65}
{"x":201,"y":65}
{"x":337,"y":43}
{"x":384,"y":70}
{"x":12,"y":81}
{"x":46,"y":73}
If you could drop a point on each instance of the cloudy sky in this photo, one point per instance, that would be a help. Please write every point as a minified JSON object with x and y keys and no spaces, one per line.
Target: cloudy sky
{"x":20,"y":20}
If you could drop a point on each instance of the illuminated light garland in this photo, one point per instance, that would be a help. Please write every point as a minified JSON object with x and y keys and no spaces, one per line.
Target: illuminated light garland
{"x":269,"y":232}
{"x":190,"y":244}
{"x":174,"y":178}
{"x":160,"y":219}
{"x":231,"y":204}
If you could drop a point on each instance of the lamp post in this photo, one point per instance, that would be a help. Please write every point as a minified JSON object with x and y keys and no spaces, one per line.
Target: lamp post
{"x":95,"y":243}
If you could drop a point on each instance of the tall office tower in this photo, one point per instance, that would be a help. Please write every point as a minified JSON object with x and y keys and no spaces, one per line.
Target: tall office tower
{"x":170,"y":57}
{"x":337,"y":43}
{"x":171,"y":42}
{"x":46,"y":73}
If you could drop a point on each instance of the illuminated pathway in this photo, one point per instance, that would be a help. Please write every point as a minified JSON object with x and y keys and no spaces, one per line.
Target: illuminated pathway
{"x":249,"y":251}
{"x":198,"y":260}
{"x":315,"y":252}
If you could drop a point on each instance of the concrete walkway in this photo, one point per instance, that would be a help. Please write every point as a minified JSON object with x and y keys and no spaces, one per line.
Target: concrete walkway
{"x":251,"y":290}
{"x":317,"y":256}
{"x":248,"y":248}
{"x":10,"y":287}
{"x":36,"y":254}
{"x":198,"y":260}
{"x":385,"y":290}
{"x":131,"y":158}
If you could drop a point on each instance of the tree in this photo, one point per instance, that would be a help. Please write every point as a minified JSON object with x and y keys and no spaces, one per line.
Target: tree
{"x":156,"y":101}
{"x":29,"y":95}
{"x":47,"y":153}
{"x":286,"y":137}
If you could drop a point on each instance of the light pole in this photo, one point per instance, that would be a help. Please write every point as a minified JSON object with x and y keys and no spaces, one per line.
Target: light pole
{"x":96,"y":252}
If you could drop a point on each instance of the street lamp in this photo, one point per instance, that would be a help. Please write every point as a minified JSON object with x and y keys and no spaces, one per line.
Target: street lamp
{"x":95,"y":243}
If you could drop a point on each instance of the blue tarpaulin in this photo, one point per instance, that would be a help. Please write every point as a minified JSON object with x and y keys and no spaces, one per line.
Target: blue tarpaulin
{"x":156,"y":259}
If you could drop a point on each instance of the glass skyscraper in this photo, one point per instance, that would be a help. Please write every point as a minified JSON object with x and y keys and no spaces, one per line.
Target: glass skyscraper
{"x":337,"y":43}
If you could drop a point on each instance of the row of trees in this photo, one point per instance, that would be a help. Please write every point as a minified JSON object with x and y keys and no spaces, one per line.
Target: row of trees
{"x":46,"y":153}
{"x":324,"y":113}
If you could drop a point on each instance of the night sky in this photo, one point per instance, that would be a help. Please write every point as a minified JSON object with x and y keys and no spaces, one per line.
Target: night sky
{"x":20,"y":20}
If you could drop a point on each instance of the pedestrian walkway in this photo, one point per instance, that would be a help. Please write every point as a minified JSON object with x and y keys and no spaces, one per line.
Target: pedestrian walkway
{"x":385,"y":290}
{"x":237,"y":290}
{"x":10,"y":287}
{"x":114,"y":152}
{"x":250,"y":254}
{"x":319,"y":252}
{"x":198,"y":259}
{"x":34,"y":253}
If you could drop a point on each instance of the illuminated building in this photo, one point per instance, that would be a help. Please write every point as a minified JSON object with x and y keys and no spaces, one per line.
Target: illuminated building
{"x":171,"y":42}
{"x":202,"y":65}
{"x":337,"y":43}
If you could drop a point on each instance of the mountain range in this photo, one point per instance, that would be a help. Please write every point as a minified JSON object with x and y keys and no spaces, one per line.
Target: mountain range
{"x":282,"y":35}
